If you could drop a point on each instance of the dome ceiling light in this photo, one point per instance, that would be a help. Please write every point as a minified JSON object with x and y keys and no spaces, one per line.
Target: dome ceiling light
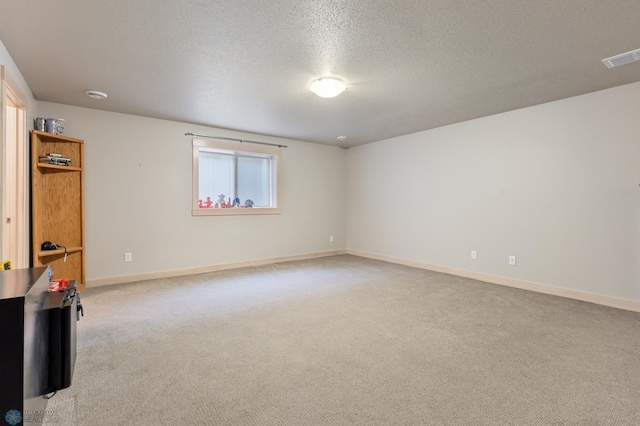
{"x":328,"y":87}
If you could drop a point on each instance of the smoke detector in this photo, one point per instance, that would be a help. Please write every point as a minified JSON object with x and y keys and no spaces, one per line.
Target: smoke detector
{"x":94,"y":94}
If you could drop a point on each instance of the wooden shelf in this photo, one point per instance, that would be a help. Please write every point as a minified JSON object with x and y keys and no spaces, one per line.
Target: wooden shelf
{"x":58,"y":167}
{"x":47,"y":253}
{"x":57,"y":206}
{"x":45,"y":137}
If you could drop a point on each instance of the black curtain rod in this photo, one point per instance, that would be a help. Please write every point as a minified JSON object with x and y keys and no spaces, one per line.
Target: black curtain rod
{"x":236,"y":140}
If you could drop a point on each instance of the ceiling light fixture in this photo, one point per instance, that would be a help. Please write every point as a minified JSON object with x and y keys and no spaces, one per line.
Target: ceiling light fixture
{"x":341,"y":138}
{"x":328,"y":87}
{"x":94,"y":94}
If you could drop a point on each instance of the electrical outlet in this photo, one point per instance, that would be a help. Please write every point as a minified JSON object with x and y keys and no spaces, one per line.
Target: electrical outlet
{"x":474,"y":254}
{"x":330,"y":238}
{"x":512,"y":260}
{"x":128,"y":257}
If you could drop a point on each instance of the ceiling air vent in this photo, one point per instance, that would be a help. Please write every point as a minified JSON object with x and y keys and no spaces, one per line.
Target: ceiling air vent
{"x":623,"y":58}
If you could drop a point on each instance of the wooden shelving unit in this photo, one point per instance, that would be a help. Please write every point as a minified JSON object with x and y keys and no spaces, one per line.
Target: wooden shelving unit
{"x":57,"y":206}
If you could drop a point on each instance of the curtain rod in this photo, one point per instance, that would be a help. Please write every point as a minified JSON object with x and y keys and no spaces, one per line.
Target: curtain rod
{"x":236,"y":140}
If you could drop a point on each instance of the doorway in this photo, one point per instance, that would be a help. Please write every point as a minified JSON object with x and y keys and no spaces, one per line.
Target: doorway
{"x":14,"y":189}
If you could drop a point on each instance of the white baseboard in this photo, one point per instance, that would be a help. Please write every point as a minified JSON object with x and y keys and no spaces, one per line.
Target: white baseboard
{"x":614,"y":302}
{"x":211,"y":268}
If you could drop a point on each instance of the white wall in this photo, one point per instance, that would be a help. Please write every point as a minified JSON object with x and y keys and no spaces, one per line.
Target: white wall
{"x":16,"y":78}
{"x":138,"y":198}
{"x":555,"y":184}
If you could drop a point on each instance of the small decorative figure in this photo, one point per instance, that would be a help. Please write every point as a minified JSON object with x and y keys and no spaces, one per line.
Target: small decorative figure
{"x":236,"y":202}
{"x":200,"y":205}
{"x":216,"y":206}
{"x":221,"y":200}
{"x":208,"y":203}
{"x":248,"y":204}
{"x":228,"y":204}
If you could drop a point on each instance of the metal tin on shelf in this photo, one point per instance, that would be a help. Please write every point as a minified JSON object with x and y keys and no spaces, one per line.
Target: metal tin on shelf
{"x":39,"y":123}
{"x":54,"y":125}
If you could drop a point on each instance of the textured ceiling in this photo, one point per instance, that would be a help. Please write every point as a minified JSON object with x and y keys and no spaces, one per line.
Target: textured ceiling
{"x":247,"y":64}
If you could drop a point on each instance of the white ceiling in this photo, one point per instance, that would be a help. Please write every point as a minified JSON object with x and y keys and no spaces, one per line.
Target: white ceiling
{"x":247,"y":64}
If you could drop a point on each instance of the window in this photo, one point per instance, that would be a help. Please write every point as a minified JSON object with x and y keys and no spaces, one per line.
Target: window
{"x":231,"y":178}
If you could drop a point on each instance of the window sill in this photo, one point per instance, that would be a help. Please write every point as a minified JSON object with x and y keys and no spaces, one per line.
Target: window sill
{"x":233,"y":211}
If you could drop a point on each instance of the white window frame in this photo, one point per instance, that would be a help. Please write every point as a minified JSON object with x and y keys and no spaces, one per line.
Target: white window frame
{"x":234,"y":148}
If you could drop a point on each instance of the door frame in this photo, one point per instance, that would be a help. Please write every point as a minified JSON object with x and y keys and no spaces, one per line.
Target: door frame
{"x":14,"y":163}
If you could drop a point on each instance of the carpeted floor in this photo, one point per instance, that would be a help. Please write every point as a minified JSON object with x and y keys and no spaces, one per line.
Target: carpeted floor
{"x":347,"y":341}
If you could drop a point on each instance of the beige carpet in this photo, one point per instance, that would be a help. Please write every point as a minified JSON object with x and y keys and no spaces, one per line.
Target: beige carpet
{"x":347,"y":341}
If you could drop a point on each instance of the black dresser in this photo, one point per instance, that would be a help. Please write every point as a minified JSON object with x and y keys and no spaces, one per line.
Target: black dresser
{"x":24,"y":331}
{"x":38,"y":331}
